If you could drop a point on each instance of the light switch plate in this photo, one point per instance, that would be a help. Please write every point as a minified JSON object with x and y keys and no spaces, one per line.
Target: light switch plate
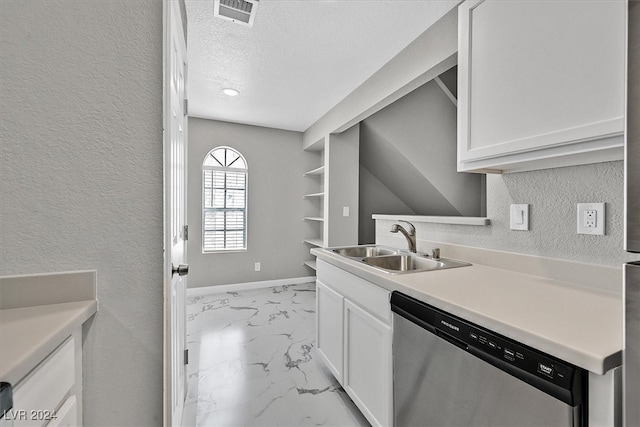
{"x":591,"y":218}
{"x":519,"y":217}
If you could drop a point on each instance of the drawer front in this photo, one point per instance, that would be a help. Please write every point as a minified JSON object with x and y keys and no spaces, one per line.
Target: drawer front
{"x":39,"y":395}
{"x":367,"y":295}
{"x":67,"y":415}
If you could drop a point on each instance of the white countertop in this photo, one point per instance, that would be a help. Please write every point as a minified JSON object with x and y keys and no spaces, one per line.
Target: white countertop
{"x":580,"y":325}
{"x":29,"y":334}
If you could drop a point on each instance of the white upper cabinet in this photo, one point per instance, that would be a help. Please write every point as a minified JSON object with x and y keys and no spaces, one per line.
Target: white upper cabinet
{"x":540,"y":84}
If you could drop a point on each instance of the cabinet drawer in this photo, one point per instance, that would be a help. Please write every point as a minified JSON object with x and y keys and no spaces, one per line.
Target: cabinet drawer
{"x":43,"y":389}
{"x":371,"y":297}
{"x":67,"y":415}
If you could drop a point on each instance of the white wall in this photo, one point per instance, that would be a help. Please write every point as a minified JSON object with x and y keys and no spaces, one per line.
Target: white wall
{"x":553,"y":195}
{"x":81,"y":180}
{"x":275,"y":228}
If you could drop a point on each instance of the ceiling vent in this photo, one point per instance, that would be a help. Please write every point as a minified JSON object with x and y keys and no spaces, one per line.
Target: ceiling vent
{"x":242,"y":12}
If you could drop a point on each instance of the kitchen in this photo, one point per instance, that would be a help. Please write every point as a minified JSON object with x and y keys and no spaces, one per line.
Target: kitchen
{"x":131,"y":235}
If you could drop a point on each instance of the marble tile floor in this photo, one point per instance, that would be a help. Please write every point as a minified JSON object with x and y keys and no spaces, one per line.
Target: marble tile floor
{"x":253,"y":362}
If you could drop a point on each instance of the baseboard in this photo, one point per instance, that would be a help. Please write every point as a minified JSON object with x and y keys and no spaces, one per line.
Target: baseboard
{"x":206,"y":290}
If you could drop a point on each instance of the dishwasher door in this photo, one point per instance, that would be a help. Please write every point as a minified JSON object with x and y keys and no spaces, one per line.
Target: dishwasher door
{"x":437,"y":383}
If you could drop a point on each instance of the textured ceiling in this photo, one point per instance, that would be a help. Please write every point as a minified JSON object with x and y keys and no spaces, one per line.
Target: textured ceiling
{"x":300,"y":58}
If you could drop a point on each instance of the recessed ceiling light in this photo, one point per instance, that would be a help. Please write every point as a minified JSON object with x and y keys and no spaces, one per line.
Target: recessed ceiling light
{"x":230,"y":92}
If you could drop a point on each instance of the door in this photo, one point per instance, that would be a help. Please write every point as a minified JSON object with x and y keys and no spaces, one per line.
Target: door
{"x":175,"y":140}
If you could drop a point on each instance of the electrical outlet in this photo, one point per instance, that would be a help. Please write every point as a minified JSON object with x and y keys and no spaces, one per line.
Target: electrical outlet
{"x":256,"y":266}
{"x":591,"y":218}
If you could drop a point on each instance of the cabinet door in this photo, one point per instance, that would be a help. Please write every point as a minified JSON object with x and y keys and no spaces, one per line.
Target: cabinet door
{"x":330,"y":328}
{"x":67,"y":415}
{"x":43,"y":390}
{"x":539,"y":75}
{"x":368,"y":365}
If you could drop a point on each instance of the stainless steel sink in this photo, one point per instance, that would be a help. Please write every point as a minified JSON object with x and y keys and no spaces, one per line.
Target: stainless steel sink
{"x":363,"y":251}
{"x":391,"y":261}
{"x":403,"y":263}
{"x":411,"y":263}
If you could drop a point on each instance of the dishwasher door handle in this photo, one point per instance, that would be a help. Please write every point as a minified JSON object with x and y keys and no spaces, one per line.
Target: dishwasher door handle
{"x":453,"y":340}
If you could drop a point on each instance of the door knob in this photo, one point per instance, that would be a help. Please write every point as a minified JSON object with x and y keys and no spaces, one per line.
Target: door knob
{"x":182,"y":269}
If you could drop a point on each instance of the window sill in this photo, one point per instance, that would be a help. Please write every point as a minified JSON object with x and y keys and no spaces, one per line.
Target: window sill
{"x":223,"y":251}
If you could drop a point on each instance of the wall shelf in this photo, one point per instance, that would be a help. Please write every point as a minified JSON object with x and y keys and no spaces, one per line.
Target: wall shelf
{"x":459,"y":220}
{"x":314,"y":242}
{"x":313,"y":218}
{"x":310,"y":264}
{"x":315,"y":172}
{"x":313,"y":195}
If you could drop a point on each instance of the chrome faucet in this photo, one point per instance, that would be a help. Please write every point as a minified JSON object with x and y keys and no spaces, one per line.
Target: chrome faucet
{"x":409,"y":235}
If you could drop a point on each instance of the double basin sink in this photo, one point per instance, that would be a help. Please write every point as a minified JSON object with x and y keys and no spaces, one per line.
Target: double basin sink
{"x":395,"y":261}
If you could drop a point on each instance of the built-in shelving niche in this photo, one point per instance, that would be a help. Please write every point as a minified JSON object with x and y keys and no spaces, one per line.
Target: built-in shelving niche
{"x":314,"y":200}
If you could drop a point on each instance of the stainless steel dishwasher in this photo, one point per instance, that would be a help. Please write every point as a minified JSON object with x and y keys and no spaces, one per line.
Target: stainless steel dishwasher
{"x":451,"y":372}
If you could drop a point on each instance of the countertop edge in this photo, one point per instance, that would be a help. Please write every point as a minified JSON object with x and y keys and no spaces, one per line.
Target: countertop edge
{"x":596,"y":363}
{"x":79,"y":312}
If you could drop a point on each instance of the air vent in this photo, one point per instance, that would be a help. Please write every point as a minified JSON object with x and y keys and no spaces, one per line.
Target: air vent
{"x":242,"y":12}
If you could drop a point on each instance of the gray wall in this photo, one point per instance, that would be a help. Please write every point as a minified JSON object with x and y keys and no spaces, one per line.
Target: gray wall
{"x":341,"y":163}
{"x":81,"y":186}
{"x":375,"y":197}
{"x":409,"y":149}
{"x":553,"y":195}
{"x":275,"y":228}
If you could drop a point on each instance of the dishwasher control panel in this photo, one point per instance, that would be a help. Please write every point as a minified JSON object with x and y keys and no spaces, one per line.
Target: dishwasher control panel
{"x":530,"y":365}
{"x":505,"y":349}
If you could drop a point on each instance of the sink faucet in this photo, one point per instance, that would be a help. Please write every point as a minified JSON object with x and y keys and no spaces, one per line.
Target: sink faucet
{"x":409,"y":235}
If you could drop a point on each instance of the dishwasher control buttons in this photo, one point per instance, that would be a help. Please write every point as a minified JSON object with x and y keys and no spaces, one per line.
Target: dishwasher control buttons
{"x":545,"y":369}
{"x":482,"y":339}
{"x":473,"y":335}
{"x":509,"y":355}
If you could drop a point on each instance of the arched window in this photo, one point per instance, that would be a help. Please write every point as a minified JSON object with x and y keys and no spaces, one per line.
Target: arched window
{"x":224,"y":201}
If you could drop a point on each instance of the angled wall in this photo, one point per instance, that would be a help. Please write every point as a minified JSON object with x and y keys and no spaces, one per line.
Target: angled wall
{"x":409,"y":149}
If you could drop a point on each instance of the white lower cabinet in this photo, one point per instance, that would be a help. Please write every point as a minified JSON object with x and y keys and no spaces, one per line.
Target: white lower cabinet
{"x":329,"y":328}
{"x":354,"y":337}
{"x":67,"y":415}
{"x":368,"y":365}
{"x":51,"y":394}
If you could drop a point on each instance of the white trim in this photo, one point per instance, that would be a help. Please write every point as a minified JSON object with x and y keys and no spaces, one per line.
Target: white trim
{"x":446,"y":91}
{"x":207,"y":290}
{"x":460,"y":220}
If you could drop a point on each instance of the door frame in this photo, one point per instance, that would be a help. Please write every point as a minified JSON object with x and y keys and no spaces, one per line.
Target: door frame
{"x":170,"y":11}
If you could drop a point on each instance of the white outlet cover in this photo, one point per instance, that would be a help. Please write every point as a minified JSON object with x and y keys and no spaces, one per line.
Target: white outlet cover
{"x":600,"y":218}
{"x":519,"y":215}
